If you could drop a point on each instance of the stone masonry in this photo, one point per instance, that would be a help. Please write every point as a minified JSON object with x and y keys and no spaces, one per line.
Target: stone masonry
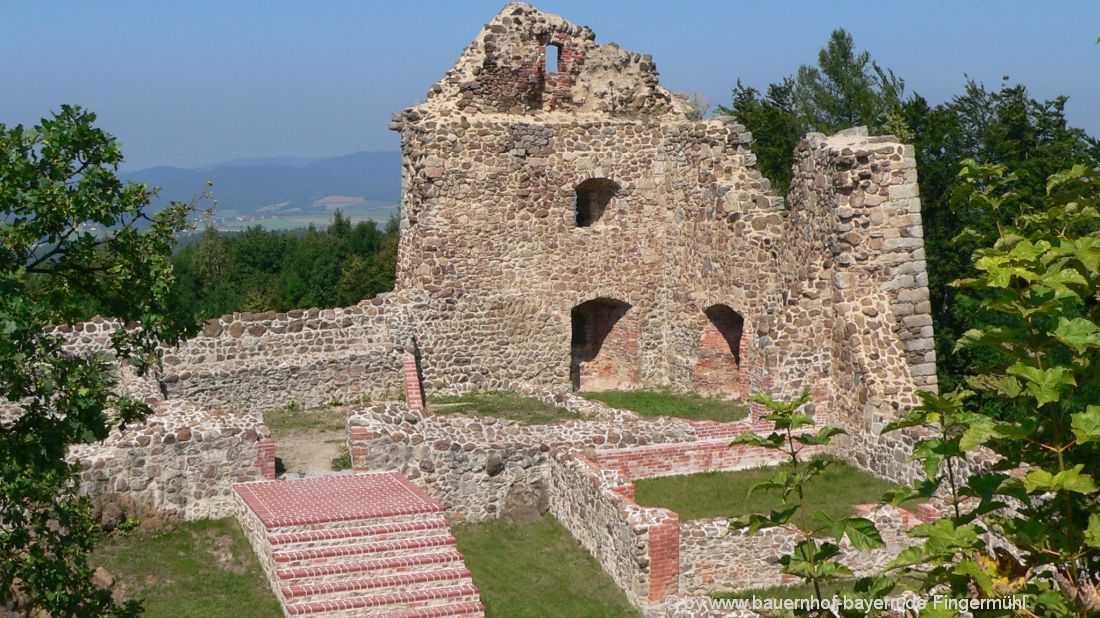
{"x":567,"y":225}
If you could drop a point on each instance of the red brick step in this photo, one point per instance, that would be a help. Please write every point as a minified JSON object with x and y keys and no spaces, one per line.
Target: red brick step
{"x":381,"y":566}
{"x":439,"y":611}
{"x":374,"y":585}
{"x":411,"y":600}
{"x":383,"y":532}
{"x":338,"y":553}
{"x":355,"y":546}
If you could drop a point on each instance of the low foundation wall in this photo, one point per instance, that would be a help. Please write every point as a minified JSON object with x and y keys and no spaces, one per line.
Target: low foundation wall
{"x":637,"y":546}
{"x":658,"y":460}
{"x":181,"y":463}
{"x":715,"y":558}
{"x":484,"y":467}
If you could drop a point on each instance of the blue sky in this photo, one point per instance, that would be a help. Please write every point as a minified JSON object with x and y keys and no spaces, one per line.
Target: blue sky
{"x":188,"y":83}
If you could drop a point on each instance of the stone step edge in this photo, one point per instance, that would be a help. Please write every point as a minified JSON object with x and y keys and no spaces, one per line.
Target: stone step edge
{"x":364,"y":548}
{"x":345,"y":568}
{"x":328,"y":534}
{"x":471,"y":608}
{"x":294,"y":591}
{"x":396,"y":598}
{"x":276,"y":524}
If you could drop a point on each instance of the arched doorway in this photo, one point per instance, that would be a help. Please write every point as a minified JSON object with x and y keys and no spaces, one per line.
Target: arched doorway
{"x":604,"y":346}
{"x":719,"y":370}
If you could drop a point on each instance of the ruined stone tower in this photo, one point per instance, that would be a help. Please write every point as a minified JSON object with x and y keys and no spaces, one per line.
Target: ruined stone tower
{"x":571,"y":224}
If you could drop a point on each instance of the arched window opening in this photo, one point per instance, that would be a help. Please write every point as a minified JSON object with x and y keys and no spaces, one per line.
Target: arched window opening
{"x":593,"y":197}
{"x":604,"y":346}
{"x":730,"y":326}
{"x":719,"y":369}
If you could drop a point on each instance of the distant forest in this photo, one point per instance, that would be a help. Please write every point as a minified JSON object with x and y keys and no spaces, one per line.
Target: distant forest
{"x":263,"y":270}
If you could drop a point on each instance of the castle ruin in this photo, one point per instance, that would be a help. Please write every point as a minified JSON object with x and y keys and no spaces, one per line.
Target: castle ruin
{"x":566,"y":224}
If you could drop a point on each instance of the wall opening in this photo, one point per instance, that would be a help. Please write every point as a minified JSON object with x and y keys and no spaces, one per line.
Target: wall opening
{"x":604,"y":346}
{"x":719,"y":370}
{"x":593,"y":197}
{"x":553,"y":57}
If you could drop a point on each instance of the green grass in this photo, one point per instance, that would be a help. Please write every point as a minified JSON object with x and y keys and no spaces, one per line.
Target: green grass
{"x":725,"y":494}
{"x":294,"y":417}
{"x":668,"y":403}
{"x":343,"y":460}
{"x":537,"y":570}
{"x":199,"y":569}
{"x":501,"y":404}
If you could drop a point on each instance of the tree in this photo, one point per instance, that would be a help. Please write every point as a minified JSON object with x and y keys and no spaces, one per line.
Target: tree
{"x":1032,"y":400}
{"x":775,"y":126}
{"x":1031,"y":138}
{"x":844,"y":89}
{"x":847,"y":89}
{"x":73,"y":240}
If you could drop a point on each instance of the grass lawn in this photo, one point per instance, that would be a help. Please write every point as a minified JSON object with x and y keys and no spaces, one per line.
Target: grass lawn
{"x":725,"y":494}
{"x":667,"y":403}
{"x":199,"y":569}
{"x":294,"y":417}
{"x":501,"y":404}
{"x":537,"y":570}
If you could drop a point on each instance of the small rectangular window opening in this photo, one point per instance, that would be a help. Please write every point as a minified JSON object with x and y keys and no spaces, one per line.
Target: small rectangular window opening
{"x":553,"y":57}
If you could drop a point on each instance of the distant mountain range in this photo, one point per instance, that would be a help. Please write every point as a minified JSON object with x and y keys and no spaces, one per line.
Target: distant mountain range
{"x":286,"y":191}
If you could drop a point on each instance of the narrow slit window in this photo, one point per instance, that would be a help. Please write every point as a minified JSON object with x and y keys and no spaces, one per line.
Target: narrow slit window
{"x":553,"y":57}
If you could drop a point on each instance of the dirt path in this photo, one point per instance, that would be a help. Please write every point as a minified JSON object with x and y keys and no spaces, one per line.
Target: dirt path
{"x":308,"y":451}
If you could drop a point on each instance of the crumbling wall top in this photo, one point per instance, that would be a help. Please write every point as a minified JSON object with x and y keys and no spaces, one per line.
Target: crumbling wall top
{"x":525,"y":61}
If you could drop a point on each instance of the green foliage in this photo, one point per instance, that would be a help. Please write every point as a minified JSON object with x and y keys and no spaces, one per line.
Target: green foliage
{"x":847,"y":89}
{"x":261,"y":270}
{"x":1031,"y":139}
{"x":775,"y":126}
{"x":1037,"y":288}
{"x":844,"y":89}
{"x":342,"y":461}
{"x":815,"y":557}
{"x":73,"y":240}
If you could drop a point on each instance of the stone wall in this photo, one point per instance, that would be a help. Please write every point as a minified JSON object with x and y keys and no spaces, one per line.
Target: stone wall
{"x":714,"y":558}
{"x":481,"y":466}
{"x":181,"y":462}
{"x":632,"y":543}
{"x":658,"y":460}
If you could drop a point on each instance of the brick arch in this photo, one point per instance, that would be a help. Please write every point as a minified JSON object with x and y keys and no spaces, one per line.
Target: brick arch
{"x":722,"y":365}
{"x":604,"y":352}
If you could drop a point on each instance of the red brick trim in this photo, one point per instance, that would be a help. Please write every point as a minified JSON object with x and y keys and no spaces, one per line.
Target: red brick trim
{"x":664,"y":558}
{"x":265,"y":458}
{"x":414,"y":393}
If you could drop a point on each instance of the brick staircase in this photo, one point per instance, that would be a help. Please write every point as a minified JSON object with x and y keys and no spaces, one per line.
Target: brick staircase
{"x":364,"y":545}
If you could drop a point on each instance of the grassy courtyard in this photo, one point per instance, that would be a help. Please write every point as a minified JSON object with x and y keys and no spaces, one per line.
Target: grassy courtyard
{"x":191,"y":569}
{"x":537,"y":570}
{"x":667,"y":403}
{"x":501,"y":404}
{"x":725,"y":494}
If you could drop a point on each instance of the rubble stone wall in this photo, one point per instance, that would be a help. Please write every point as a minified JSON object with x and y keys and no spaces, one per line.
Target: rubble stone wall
{"x":714,"y":558}
{"x":181,"y":462}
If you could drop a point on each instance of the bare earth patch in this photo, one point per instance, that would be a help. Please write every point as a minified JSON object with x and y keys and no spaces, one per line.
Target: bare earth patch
{"x":308,"y":452}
